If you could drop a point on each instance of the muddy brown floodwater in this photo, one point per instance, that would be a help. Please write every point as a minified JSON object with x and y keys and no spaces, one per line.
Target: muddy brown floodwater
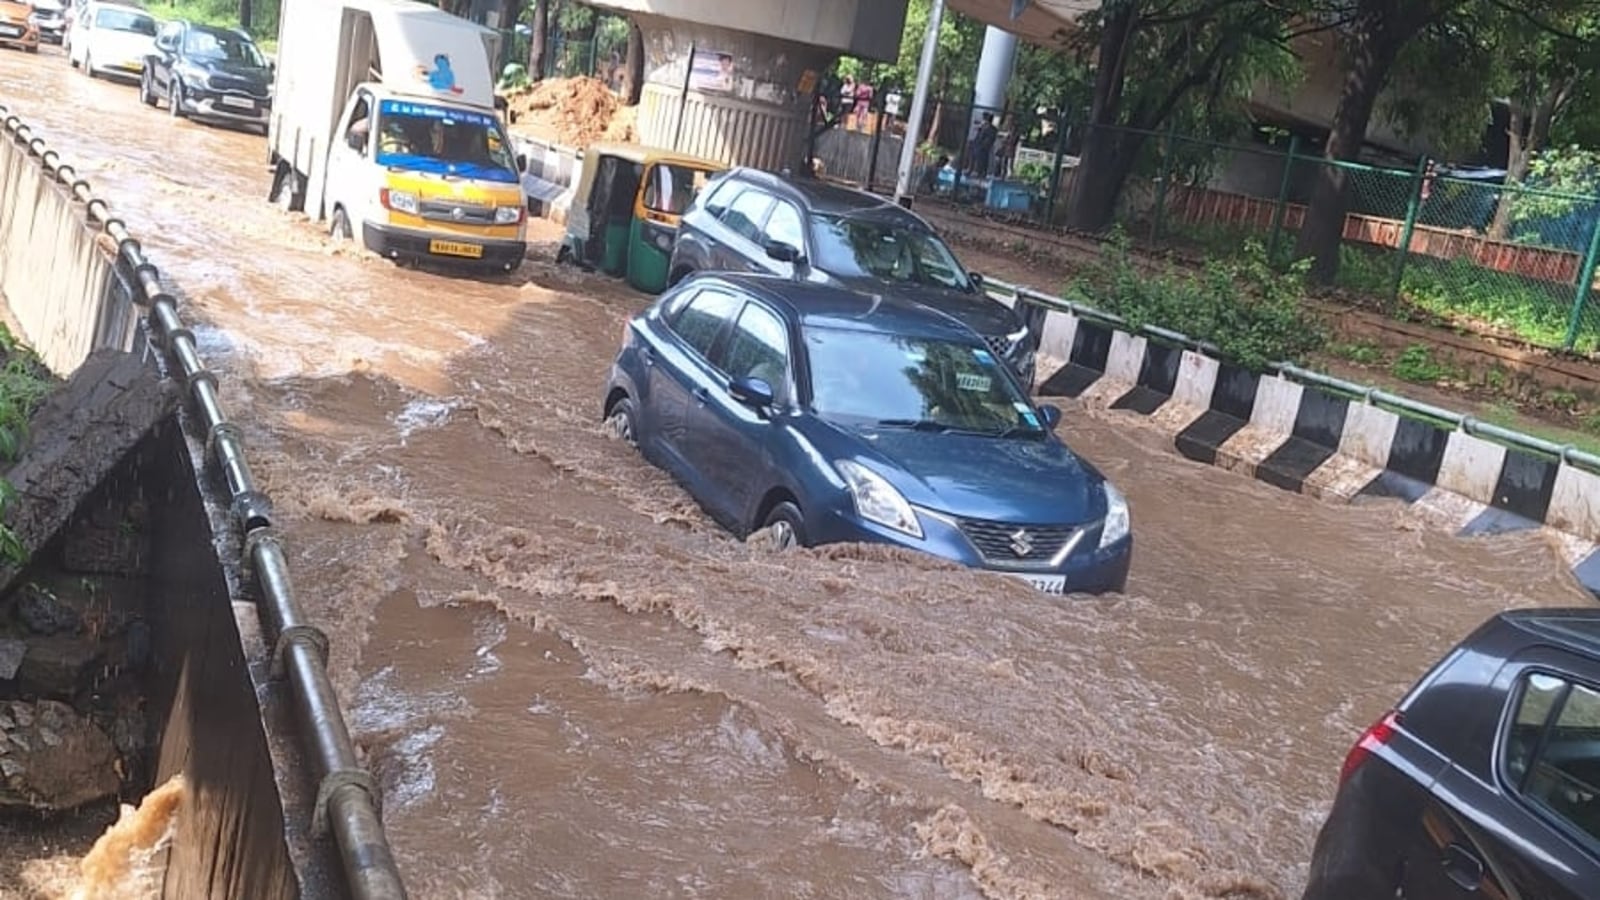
{"x":572,"y":685}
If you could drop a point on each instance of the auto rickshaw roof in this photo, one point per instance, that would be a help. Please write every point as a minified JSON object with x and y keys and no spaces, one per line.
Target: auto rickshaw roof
{"x":640,"y":153}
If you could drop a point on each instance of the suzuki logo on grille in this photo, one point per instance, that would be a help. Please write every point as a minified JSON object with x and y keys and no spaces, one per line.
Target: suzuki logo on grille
{"x":458,"y":213}
{"x":1021,"y":542}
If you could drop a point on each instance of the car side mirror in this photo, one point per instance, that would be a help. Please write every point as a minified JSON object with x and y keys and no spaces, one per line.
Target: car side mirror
{"x":522,"y":162}
{"x":752,"y":392}
{"x":782,"y":252}
{"x":357,"y":141}
{"x":1051,"y":414}
{"x":976,"y":278}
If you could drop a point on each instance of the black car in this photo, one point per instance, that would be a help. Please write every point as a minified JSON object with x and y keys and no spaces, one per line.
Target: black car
{"x":1484,"y":781}
{"x":209,"y":73}
{"x":747,"y":220}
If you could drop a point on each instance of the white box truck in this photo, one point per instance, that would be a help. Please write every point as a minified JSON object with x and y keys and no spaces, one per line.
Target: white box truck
{"x":384,"y":126}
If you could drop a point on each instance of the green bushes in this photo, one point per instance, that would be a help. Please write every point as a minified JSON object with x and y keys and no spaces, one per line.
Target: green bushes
{"x":1251,"y":312}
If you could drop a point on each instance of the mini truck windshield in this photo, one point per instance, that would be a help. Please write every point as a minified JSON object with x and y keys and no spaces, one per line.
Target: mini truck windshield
{"x":871,"y":379}
{"x":427,"y":138}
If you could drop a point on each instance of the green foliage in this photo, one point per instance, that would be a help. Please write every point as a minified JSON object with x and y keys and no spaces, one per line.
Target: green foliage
{"x":225,"y":14}
{"x":1566,"y":179}
{"x":1033,"y":173}
{"x":1362,"y":353}
{"x":23,"y":384}
{"x":1418,"y":364}
{"x":1251,"y":312}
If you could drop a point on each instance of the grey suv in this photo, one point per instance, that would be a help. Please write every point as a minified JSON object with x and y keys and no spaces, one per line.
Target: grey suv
{"x":747,"y":220}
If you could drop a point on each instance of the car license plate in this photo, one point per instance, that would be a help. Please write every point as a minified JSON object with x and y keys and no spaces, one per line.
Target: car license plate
{"x":455,"y":248}
{"x":10,"y":30}
{"x":1050,"y":584}
{"x":132,"y":67}
{"x":239,"y":102}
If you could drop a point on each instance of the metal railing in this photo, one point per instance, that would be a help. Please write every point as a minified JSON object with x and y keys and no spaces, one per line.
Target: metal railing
{"x":1368,"y":394}
{"x":348,"y":801}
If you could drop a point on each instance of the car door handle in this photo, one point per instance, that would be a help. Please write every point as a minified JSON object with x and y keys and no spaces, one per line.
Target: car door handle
{"x":1463,"y":867}
{"x":702,"y":396}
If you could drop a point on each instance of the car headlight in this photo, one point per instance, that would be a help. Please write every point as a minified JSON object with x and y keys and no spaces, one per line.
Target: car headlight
{"x":1117,"y":522}
{"x":876,"y":499}
{"x":507,"y":215}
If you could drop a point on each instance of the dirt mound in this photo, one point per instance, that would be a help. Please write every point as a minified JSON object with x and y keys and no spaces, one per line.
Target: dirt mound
{"x":572,"y":111}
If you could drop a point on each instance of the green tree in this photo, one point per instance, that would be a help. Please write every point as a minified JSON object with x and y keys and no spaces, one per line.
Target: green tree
{"x":1161,"y":61}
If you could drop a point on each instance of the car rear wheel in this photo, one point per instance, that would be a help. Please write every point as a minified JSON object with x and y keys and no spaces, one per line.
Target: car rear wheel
{"x":788,"y":526}
{"x":620,"y":422}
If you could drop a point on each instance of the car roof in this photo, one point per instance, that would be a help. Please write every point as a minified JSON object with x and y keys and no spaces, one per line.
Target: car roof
{"x":824,"y":197}
{"x":814,"y":305}
{"x":1577,"y":629}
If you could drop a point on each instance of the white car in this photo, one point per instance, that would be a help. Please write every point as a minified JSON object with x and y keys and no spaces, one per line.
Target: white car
{"x":112,"y":39}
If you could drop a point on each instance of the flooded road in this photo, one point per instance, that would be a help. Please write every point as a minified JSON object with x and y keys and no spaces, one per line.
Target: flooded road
{"x":571,"y":684}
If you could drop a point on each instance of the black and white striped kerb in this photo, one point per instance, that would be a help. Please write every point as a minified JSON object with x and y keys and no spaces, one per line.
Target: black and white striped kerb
{"x":1310,"y":440}
{"x":550,"y":176}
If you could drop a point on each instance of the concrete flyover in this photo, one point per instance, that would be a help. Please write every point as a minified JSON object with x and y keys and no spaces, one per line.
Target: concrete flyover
{"x":733,"y":81}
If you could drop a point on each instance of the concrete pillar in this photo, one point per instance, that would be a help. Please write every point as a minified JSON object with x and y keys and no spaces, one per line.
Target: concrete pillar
{"x":744,"y":103}
{"x":995,"y":66}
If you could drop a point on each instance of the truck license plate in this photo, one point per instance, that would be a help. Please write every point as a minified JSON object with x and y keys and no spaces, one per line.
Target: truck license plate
{"x":240,"y":102}
{"x":455,"y":248}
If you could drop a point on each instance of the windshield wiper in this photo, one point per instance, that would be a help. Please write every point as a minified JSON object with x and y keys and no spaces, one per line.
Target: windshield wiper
{"x":915,"y":425}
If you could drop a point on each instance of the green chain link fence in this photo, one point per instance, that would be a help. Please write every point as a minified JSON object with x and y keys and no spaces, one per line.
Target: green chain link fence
{"x":1419,"y":242}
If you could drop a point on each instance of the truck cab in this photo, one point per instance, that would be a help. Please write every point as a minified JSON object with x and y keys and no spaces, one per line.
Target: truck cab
{"x":385,"y":128}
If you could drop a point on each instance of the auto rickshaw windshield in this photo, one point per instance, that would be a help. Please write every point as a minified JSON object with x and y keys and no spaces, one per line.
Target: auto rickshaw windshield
{"x":670,"y":188}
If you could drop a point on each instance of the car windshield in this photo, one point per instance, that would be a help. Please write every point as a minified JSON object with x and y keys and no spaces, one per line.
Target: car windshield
{"x":872,"y":379}
{"x":222,"y":47}
{"x":426,"y":138}
{"x":884,"y":249}
{"x":125,"y":20}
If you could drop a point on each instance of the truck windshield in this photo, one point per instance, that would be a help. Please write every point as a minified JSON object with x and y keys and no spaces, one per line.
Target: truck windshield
{"x":426,"y":138}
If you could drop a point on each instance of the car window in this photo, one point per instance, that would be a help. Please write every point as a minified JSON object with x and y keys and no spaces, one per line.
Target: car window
{"x":1553,"y":756}
{"x":758,"y":348}
{"x":716,"y":202}
{"x":125,"y":20}
{"x":785,"y":227}
{"x":897,"y":250}
{"x":747,"y":212}
{"x":868,"y":378}
{"x":702,"y":319}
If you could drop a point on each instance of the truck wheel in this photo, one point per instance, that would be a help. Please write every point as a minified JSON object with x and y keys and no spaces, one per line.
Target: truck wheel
{"x":339,"y":227}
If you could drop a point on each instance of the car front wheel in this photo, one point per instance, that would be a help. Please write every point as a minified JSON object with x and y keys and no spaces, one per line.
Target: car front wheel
{"x":788,"y":526}
{"x":147,"y":91}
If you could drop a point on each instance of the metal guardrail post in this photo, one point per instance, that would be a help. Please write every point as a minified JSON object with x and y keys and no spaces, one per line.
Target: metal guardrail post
{"x":1280,"y":211}
{"x":348,"y":801}
{"x":1585,"y":286}
{"x":1413,"y":206}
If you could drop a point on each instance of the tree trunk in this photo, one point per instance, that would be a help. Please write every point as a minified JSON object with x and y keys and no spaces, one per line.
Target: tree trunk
{"x":1529,"y":135}
{"x":1368,"y":70}
{"x":246,"y":14}
{"x":538,"y":42}
{"x":635,"y":64}
{"x":1093,"y":201}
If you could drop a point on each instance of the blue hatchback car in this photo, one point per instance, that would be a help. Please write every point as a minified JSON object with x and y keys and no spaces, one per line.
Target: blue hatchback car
{"x":831,"y":415}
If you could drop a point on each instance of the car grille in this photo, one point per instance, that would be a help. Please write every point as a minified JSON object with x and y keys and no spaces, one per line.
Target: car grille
{"x":998,"y":542}
{"x":446,"y":212}
{"x":231,"y":85}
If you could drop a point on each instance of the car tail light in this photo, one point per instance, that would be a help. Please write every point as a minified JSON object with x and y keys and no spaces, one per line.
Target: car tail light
{"x":1381,"y":732}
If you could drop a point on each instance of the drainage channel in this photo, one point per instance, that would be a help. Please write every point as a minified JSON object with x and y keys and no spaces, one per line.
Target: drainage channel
{"x":151,"y":585}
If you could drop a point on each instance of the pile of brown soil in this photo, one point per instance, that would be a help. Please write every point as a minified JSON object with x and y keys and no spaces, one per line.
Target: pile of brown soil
{"x":572,"y":111}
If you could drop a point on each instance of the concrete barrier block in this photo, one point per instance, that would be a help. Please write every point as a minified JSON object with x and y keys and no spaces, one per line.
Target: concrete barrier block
{"x":1575,"y":502}
{"x":1277,"y":405}
{"x":1471,"y":466}
{"x":1055,"y":344}
{"x":1368,"y":434}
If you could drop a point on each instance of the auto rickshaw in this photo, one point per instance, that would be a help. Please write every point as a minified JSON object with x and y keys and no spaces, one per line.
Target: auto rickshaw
{"x":625,"y":211}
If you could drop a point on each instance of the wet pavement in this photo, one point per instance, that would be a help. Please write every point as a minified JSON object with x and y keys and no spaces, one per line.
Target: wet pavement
{"x":571,"y":684}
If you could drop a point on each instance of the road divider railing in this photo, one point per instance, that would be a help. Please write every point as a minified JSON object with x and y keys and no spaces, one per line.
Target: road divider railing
{"x":1312,"y":433}
{"x":98,"y":304}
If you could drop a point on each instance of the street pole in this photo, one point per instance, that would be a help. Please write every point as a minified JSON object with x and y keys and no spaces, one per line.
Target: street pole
{"x":919,"y":105}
